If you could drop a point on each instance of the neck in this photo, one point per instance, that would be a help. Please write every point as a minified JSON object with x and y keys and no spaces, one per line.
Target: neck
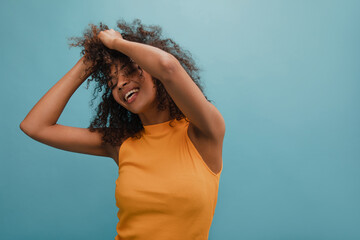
{"x":155,"y":117}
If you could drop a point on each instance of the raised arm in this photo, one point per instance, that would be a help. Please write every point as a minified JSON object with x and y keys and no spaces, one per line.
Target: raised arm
{"x":203,"y":115}
{"x":48,"y":109}
{"x":41,"y":122}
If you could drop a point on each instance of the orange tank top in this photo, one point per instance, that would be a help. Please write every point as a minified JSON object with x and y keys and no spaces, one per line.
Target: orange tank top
{"x":165,"y":191}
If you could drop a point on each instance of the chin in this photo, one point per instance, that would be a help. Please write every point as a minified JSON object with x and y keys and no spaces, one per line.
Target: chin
{"x":135,"y":110}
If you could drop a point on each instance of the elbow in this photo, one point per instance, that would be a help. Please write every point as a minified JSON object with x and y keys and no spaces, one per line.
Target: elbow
{"x":22,"y":126}
{"x":221,"y":127}
{"x":169,"y":65}
{"x":26,"y":128}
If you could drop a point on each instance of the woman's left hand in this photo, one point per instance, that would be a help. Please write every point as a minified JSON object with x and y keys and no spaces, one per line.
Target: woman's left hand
{"x":108,"y":36}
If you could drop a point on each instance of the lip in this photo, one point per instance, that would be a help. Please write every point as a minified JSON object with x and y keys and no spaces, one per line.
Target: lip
{"x":126,"y":91}
{"x":133,"y":98}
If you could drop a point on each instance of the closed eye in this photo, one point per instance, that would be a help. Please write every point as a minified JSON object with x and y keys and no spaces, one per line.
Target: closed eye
{"x":111,"y":85}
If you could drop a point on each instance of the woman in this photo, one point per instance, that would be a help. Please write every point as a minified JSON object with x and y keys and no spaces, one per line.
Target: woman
{"x":154,"y":122}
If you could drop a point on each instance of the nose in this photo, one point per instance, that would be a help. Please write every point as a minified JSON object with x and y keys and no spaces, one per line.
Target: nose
{"x":121,"y":83}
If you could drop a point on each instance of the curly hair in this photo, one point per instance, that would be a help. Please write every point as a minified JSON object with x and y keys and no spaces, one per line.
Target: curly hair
{"x":112,"y":120}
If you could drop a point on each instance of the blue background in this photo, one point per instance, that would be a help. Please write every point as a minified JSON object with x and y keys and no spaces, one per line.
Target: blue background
{"x":284,"y":74}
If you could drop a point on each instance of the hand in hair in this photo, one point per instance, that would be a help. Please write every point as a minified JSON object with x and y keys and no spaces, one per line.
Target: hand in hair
{"x":107,"y":37}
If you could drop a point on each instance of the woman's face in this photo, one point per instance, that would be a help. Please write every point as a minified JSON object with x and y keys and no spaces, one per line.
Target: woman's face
{"x":144,"y":96}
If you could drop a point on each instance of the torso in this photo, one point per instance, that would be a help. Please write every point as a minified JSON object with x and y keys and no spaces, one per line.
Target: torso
{"x":209,"y":149}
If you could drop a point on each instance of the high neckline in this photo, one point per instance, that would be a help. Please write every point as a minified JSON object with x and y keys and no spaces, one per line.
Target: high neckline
{"x":159,"y":128}
{"x":154,"y":125}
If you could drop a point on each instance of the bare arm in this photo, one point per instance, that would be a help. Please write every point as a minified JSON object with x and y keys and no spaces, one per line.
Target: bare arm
{"x":41,"y":122}
{"x":203,"y":115}
{"x":48,"y":109}
{"x":153,"y":60}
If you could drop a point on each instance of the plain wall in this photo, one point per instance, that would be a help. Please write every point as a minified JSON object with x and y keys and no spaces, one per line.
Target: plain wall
{"x":284,"y":74}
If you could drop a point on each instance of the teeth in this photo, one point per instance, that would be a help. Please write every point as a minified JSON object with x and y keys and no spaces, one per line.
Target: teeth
{"x":132,"y":91}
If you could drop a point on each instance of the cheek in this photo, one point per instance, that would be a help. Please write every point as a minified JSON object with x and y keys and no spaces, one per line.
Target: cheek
{"x":116,"y":96}
{"x":149,"y":85}
{"x":152,"y":89}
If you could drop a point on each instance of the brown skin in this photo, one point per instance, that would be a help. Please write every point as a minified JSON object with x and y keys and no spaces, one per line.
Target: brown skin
{"x":206,"y":129}
{"x":145,"y":103}
{"x":41,"y":122}
{"x":115,"y":122}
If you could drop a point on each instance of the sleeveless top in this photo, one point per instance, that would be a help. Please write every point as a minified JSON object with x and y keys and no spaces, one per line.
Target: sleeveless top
{"x":164,"y":191}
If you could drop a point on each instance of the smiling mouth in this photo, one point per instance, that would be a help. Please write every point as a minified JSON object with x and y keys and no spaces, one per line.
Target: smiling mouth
{"x":131,"y":94}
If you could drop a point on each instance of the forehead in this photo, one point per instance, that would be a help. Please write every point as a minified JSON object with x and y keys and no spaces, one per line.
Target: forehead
{"x":120,"y":67}
{"x":115,"y":69}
